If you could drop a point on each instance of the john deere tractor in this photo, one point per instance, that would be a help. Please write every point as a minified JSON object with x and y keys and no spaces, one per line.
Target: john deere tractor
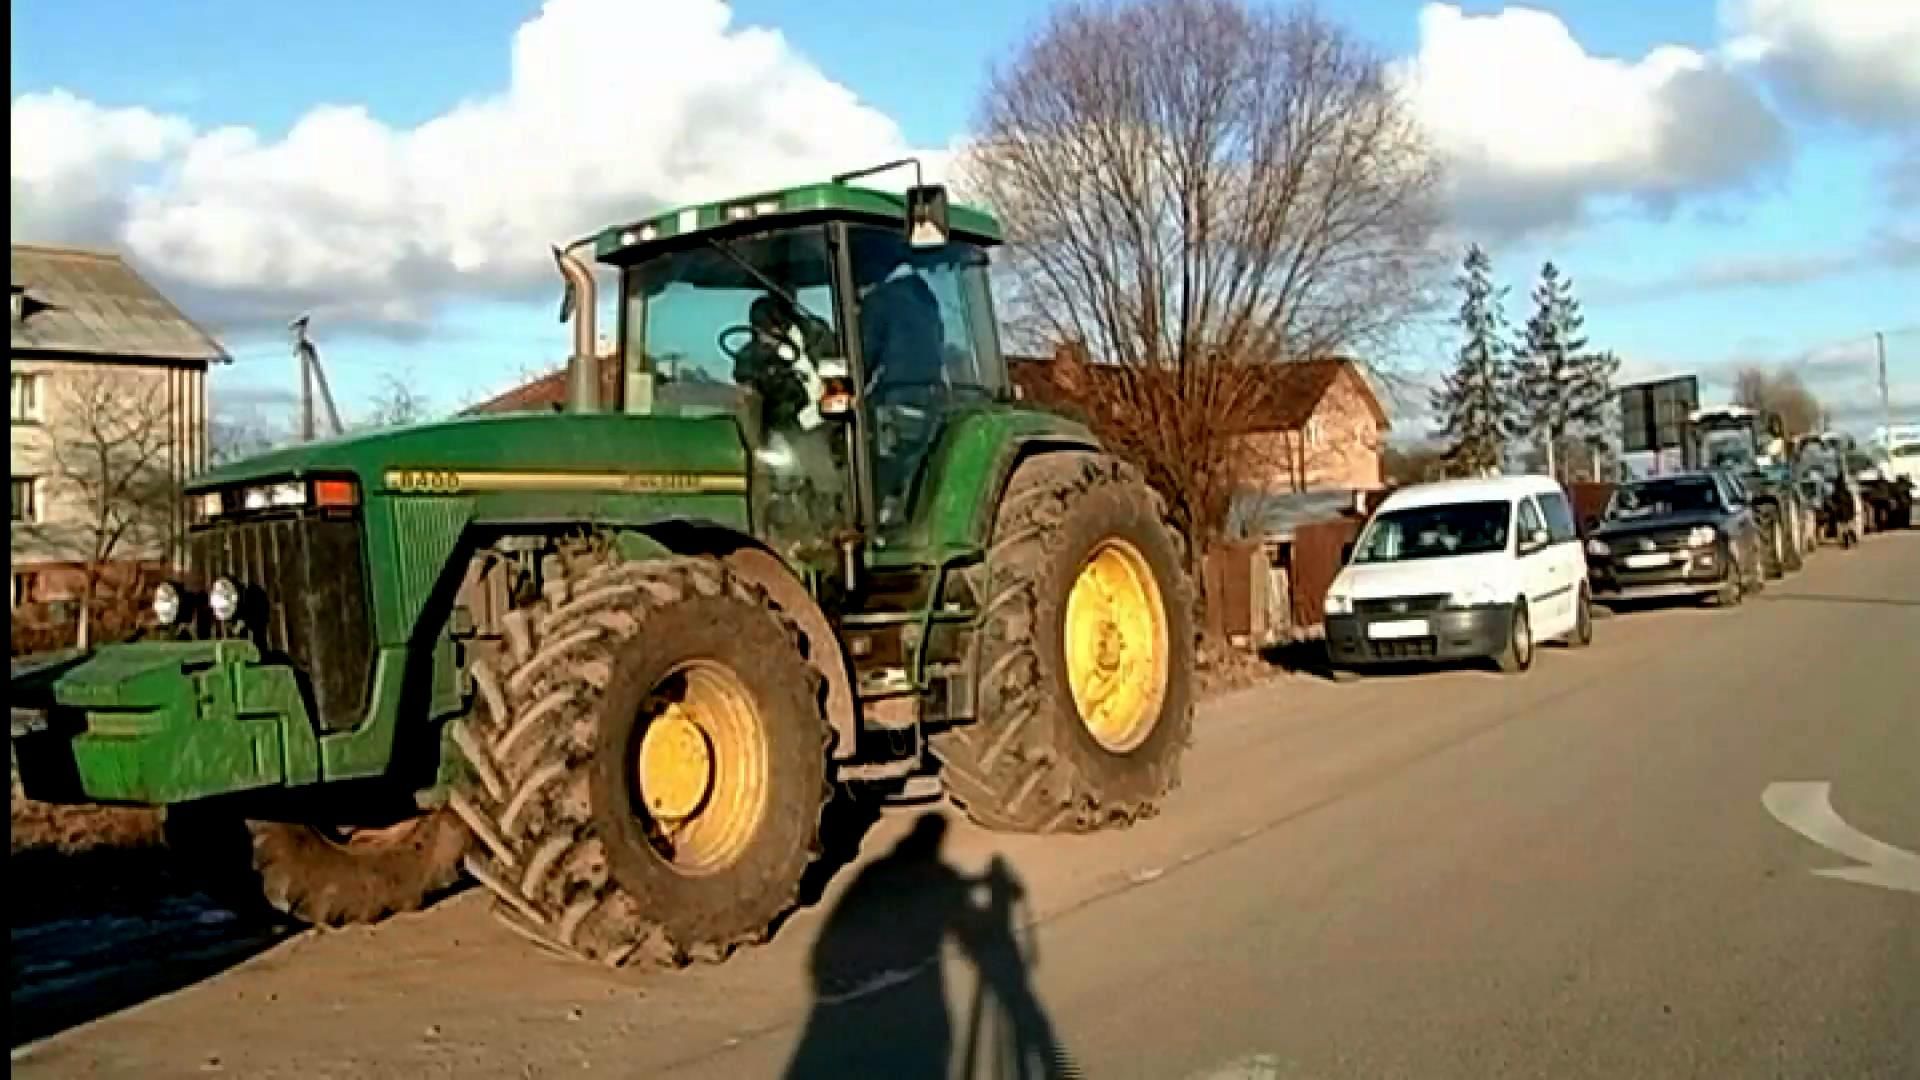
{"x":797,"y":537}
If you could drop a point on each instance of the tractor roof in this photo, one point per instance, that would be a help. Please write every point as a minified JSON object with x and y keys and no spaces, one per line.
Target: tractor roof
{"x":748,"y":213}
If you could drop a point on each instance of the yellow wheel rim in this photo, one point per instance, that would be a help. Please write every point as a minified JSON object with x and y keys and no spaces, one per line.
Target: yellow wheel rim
{"x":1116,"y":646}
{"x":701,"y":768}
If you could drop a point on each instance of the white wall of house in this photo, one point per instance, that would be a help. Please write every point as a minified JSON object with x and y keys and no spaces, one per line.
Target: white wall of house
{"x":52,"y":525}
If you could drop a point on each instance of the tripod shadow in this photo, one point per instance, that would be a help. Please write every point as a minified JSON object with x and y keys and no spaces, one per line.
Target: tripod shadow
{"x":880,"y":991}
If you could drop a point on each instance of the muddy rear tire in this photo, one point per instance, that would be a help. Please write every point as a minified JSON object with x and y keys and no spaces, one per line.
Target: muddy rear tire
{"x":318,"y":875}
{"x":1087,"y":612}
{"x":649,"y":760}
{"x":1792,"y":559}
{"x":1772,"y":562}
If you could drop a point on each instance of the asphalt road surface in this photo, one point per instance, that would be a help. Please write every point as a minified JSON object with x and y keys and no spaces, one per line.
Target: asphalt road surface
{"x":1583,"y":871}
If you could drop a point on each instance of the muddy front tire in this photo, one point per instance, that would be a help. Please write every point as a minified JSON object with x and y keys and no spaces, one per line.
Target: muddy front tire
{"x":649,"y":762}
{"x":319,"y":875}
{"x":1084,"y":655}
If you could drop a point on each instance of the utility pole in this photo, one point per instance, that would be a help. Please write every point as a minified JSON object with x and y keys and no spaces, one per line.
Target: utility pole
{"x":310,"y":373}
{"x":1886,"y":405}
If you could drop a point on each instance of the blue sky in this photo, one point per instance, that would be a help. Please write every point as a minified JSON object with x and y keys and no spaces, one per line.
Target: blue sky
{"x":1778,"y":232}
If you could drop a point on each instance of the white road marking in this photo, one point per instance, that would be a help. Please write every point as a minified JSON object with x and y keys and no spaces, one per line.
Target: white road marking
{"x":1803,"y":806}
{"x":1251,"y":1067}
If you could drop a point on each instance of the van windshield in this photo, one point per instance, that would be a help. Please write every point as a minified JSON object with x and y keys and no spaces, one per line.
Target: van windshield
{"x":1436,"y":532}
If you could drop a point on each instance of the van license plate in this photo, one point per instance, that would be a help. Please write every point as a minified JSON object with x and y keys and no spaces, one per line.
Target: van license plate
{"x":1641,"y":562}
{"x":1403,"y":628}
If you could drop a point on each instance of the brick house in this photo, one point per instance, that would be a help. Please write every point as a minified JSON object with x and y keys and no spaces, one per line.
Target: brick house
{"x":1318,"y":426}
{"x":88,"y":329}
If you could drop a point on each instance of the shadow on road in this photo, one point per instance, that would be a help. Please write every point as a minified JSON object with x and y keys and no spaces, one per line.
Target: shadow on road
{"x":880,"y":992}
{"x":1820,"y":598}
{"x":95,"y":931}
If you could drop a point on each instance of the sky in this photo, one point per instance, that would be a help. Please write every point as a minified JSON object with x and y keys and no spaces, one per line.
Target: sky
{"x":1726,"y":183}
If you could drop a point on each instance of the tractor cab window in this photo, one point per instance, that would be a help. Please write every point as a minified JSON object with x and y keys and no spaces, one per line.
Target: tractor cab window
{"x":929,"y":346}
{"x":745,"y":325}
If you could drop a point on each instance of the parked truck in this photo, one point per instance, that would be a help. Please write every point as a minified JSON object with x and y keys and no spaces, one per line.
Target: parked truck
{"x":614,"y":661}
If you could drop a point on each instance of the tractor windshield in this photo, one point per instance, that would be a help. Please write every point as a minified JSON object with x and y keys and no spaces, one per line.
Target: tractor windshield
{"x":715,"y":321}
{"x":1730,"y":449}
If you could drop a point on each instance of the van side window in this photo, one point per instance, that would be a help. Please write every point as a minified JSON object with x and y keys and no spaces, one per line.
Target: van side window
{"x":1529,"y":520}
{"x":1559,"y":516}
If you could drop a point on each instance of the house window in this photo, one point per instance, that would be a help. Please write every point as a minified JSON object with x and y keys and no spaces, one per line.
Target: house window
{"x":22,"y":588}
{"x":26,"y":398}
{"x":26,"y":504}
{"x":1313,"y":432}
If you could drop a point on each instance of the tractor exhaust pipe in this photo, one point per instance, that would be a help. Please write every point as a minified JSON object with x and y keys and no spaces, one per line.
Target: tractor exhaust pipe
{"x":580,"y":304}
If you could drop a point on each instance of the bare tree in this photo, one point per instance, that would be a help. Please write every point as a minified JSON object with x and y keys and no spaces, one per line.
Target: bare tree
{"x":397,"y":405}
{"x":111,"y":495}
{"x":1779,"y":394}
{"x":231,"y":438}
{"x":1194,"y":190}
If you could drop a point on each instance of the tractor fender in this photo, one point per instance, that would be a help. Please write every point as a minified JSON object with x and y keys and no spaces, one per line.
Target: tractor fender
{"x":970,"y":467}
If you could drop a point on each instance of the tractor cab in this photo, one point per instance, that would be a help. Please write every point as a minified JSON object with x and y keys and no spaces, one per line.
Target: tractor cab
{"x":841,"y":342}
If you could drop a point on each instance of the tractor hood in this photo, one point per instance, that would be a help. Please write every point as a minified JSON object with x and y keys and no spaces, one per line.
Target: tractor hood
{"x":525,"y":443}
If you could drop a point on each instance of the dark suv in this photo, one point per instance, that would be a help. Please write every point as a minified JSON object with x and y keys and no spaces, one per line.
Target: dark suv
{"x":1685,"y":534}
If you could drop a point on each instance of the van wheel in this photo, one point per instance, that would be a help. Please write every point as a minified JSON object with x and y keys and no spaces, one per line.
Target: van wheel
{"x":1518,"y":655}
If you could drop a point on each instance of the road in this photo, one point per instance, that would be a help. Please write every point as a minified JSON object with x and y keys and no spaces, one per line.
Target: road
{"x":1569,"y":873}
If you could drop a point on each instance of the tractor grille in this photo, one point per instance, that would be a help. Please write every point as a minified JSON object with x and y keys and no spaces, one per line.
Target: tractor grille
{"x":304,"y":583}
{"x":1404,"y":649}
{"x":1401,"y":605}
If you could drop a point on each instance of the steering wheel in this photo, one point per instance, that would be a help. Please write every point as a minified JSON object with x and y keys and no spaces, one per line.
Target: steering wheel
{"x":752,"y":332}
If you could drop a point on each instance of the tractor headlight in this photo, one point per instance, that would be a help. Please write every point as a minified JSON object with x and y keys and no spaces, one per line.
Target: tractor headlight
{"x":1598,"y":548}
{"x":223,"y":600}
{"x":1703,"y":536}
{"x":289,"y":494}
{"x":166,"y":603}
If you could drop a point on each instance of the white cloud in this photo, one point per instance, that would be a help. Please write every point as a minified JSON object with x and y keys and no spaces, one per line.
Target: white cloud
{"x":72,"y":162}
{"x":351,"y":217}
{"x":1858,"y":59}
{"x":1534,"y":127}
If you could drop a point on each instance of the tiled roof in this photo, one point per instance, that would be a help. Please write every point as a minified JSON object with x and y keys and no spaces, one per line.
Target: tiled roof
{"x":1292,"y":390}
{"x":547,"y":393}
{"x":91,"y":303}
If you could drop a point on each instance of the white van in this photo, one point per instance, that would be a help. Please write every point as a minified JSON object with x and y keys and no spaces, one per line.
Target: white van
{"x":1461,"y":569}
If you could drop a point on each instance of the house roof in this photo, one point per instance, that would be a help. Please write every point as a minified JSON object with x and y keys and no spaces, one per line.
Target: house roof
{"x":1290,"y":395}
{"x":547,"y":393}
{"x":91,"y":303}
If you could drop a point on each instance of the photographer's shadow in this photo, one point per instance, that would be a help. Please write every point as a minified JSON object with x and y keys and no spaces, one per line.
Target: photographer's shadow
{"x":880,"y":994}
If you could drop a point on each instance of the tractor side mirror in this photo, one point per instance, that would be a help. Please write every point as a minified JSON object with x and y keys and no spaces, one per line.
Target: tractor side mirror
{"x":927,"y":215}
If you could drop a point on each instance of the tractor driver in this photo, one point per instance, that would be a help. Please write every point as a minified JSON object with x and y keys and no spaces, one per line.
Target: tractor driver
{"x":778,"y":359}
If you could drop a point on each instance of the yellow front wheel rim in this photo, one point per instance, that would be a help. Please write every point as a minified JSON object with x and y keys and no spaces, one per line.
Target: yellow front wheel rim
{"x":1116,"y":646}
{"x":701,"y":768}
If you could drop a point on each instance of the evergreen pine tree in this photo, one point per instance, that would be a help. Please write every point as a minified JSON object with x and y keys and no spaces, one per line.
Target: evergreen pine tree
{"x":1562,"y":389}
{"x":1474,"y":402}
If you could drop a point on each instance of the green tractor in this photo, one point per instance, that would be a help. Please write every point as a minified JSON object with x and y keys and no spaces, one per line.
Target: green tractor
{"x":1751,"y":448}
{"x":615,"y":661}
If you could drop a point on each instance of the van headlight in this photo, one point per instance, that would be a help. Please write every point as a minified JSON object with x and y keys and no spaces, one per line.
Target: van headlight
{"x":1479,"y":594}
{"x":1339,"y":603}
